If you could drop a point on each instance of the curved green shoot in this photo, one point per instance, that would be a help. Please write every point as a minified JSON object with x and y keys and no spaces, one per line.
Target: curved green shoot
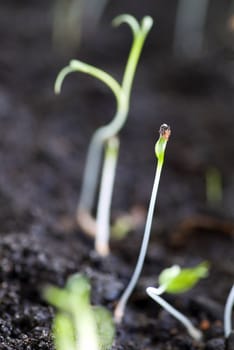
{"x":77,"y":324}
{"x":154,"y":293}
{"x":104,"y":133}
{"x":228,"y":313}
{"x":128,"y":19}
{"x":139,"y":34}
{"x":177,"y":280}
{"x":160,"y":148}
{"x":79,"y":66}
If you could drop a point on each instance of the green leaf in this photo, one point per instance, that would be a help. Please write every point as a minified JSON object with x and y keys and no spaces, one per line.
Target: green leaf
{"x":177,"y":280}
{"x":79,"y":285}
{"x":105,"y":327}
{"x":57,"y":297}
{"x":64,"y":336}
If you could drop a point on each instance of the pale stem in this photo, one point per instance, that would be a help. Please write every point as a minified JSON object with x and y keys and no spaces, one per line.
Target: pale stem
{"x":86,"y":329}
{"x":105,"y":196}
{"x":122,"y":94}
{"x":128,"y":19}
{"x":228,"y":313}
{"x":193,"y":331}
{"x":120,"y":308}
{"x":189,"y":27}
{"x":93,"y":161}
{"x":90,"y":178}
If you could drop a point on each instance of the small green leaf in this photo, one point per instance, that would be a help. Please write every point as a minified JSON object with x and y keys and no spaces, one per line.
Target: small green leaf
{"x":177,"y":280}
{"x":160,"y":145}
{"x":79,"y":285}
{"x":105,"y":327}
{"x":64,"y":335}
{"x":57,"y":297}
{"x":160,"y":149}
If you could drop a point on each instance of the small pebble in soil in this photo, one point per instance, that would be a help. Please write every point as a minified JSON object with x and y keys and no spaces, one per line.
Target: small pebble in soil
{"x":215,"y":344}
{"x":210,"y":307}
{"x":181,"y":343}
{"x":230,"y":342}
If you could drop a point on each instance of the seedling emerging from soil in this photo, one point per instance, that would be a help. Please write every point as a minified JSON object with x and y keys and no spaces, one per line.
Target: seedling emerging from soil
{"x":228,"y":313}
{"x":214,"y":188}
{"x":160,"y":147}
{"x":105,"y":133}
{"x":78,"y":325}
{"x":177,"y":280}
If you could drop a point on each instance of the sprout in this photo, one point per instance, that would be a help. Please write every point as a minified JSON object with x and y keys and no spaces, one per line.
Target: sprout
{"x":228,"y":313}
{"x":78,"y":325}
{"x":160,"y":147}
{"x":214,"y":186}
{"x":104,"y":134}
{"x":177,"y":280}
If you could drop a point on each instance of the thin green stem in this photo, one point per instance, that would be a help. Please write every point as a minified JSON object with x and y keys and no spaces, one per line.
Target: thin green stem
{"x":79,"y":66}
{"x":102,"y":134}
{"x":160,"y":150}
{"x":154,"y":293}
{"x":105,"y":196}
{"x":60,"y":78}
{"x":134,"y":55}
{"x":119,"y":311}
{"x":90,"y":178}
{"x":122,"y":95}
{"x":130,"y":20}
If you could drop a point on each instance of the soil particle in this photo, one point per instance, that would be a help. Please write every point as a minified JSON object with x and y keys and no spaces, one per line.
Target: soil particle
{"x":215,"y":344}
{"x":230,"y":342}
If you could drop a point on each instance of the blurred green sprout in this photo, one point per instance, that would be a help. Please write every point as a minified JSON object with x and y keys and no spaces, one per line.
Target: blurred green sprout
{"x":106,"y":137}
{"x":77,"y":324}
{"x":160,"y":147}
{"x":178,"y":280}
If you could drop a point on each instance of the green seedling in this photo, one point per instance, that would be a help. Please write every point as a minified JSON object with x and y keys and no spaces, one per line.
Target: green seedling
{"x":78,"y":325}
{"x":177,"y":280}
{"x":160,"y":147}
{"x":228,"y":313}
{"x":214,"y":187}
{"x":104,"y":134}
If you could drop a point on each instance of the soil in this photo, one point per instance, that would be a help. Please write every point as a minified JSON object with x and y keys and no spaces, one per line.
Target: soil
{"x":43,"y":143}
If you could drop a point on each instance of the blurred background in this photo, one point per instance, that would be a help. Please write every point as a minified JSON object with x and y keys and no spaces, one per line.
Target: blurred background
{"x":184,"y":78}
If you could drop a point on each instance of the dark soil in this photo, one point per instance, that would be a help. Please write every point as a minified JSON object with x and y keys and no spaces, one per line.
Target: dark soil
{"x":43,"y":143}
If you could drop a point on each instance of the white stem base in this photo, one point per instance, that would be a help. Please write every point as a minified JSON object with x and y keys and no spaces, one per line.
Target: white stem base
{"x":105,"y":197}
{"x":154,"y":294}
